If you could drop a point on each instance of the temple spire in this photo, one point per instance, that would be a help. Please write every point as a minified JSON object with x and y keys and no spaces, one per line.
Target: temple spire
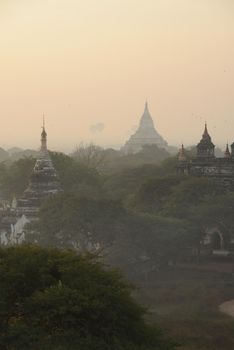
{"x":206,"y":134}
{"x":182,"y":156}
{"x":205,"y":148}
{"x":43,"y":137}
{"x":146,"y":106}
{"x":146,"y":134}
{"x":227,"y":153}
{"x":232,"y":148}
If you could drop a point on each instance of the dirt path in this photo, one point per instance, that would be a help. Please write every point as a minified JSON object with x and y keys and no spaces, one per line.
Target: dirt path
{"x":227,"y":308}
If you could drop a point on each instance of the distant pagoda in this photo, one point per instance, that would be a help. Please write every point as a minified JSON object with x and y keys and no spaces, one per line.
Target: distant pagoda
{"x":44,"y":182}
{"x":205,"y":148}
{"x":206,"y":164}
{"x":146,"y":134}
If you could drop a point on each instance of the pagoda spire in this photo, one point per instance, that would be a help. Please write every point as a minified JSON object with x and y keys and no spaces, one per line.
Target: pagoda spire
{"x":205,"y":148}
{"x":205,"y":133}
{"x":227,"y":153}
{"x":232,"y":148}
{"x":146,"y":134}
{"x":43,"y":137}
{"x":146,"y":106}
{"x":182,"y":156}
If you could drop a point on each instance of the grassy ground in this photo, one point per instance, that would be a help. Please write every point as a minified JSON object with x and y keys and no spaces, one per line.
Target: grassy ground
{"x":184,"y":302}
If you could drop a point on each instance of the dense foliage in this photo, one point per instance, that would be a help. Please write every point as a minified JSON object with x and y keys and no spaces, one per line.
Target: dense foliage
{"x":14,"y":176}
{"x":134,"y":212}
{"x":131,"y":212}
{"x":52,"y":299}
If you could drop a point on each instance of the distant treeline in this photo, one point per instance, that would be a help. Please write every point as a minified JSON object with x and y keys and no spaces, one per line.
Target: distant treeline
{"x":135,"y":210}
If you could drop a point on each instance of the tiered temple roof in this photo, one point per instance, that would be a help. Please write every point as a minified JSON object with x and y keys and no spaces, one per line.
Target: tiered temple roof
{"x":43,"y":182}
{"x":207,"y":164}
{"x":205,"y":148}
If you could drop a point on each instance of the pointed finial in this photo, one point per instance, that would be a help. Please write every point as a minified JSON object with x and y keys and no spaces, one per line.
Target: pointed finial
{"x":43,"y":125}
{"x":206,"y":134}
{"x":43,"y":136}
{"x":227,"y":153}
{"x":146,"y":111}
{"x":182,"y":156}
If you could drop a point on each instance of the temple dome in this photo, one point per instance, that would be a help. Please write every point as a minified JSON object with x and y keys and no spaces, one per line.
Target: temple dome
{"x":205,"y":148}
{"x":146,"y":134}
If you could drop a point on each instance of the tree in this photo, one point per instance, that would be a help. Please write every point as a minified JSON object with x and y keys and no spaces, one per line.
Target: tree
{"x":161,"y":239}
{"x":149,"y":155}
{"x":76,"y":177}
{"x":51,"y":299}
{"x":68,"y":220}
{"x":189,"y":193}
{"x":14,"y":176}
{"x":216,"y":213}
{"x":4,"y":155}
{"x":90,"y":155}
{"x":126,"y":182}
{"x":105,"y":226}
{"x":151,"y":195}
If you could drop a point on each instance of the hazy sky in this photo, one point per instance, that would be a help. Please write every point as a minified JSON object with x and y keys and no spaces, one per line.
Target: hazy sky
{"x":89,"y":65}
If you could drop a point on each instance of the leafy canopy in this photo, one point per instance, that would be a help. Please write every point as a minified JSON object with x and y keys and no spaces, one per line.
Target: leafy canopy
{"x":51,"y":299}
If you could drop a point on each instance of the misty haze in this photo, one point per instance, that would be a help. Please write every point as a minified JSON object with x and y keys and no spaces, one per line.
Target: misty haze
{"x":117,"y":175}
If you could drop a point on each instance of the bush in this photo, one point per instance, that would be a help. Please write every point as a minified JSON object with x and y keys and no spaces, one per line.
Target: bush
{"x":51,"y":299}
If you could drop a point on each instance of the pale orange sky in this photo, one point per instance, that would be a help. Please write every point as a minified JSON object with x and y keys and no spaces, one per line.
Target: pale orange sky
{"x":92,"y":62}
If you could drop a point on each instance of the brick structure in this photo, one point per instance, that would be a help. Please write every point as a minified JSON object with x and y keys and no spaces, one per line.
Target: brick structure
{"x":207,"y":164}
{"x":43,"y":183}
